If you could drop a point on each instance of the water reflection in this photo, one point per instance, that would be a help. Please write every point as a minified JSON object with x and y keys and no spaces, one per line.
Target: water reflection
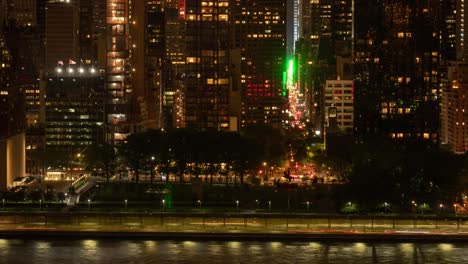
{"x":208,"y":252}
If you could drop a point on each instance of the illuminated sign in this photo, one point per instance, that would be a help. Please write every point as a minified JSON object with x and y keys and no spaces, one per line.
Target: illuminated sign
{"x":181,"y":9}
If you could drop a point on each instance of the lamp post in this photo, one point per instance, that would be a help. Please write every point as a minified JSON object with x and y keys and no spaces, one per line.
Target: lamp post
{"x":89,"y":205}
{"x":152,"y":168}
{"x":237,"y":205}
{"x":385,"y":207}
{"x":3,"y":204}
{"x":269,"y":206}
{"x":256,"y":204}
{"x":308,"y":204}
{"x":126,"y":203}
{"x":199,"y":203}
{"x":163,"y":202}
{"x":40,"y":204}
{"x":441,"y":207}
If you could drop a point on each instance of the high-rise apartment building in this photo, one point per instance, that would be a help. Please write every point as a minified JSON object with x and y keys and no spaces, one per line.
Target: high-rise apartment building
{"x":454,"y":109}
{"x":12,"y":137}
{"x":339,"y":106}
{"x":92,"y":31}
{"x":23,"y":12}
{"x":454,"y":81}
{"x":396,"y":67}
{"x":206,"y":75}
{"x":118,"y":82}
{"x":260,"y":34}
{"x":5,"y":77}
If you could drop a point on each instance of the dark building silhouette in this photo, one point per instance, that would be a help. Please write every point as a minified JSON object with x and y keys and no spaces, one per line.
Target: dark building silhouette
{"x":397,"y":59}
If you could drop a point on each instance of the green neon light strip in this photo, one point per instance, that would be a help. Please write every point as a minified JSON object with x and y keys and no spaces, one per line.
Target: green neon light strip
{"x":284,"y":83}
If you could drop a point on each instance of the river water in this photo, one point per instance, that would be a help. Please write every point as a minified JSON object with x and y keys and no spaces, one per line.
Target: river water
{"x":208,"y":252}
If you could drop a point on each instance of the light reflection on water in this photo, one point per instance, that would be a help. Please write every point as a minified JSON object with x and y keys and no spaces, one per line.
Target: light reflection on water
{"x":208,"y":252}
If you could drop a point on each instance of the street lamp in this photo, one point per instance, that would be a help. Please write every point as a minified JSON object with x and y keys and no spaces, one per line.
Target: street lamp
{"x":308,"y":204}
{"x":3,"y":204}
{"x":269,"y":206}
{"x":152,"y":168}
{"x":89,"y":205}
{"x":40,"y":204}
{"x":199,"y":203}
{"x":385,"y":207}
{"x":256,"y":203}
{"x":237,"y":205}
{"x":163,"y":202}
{"x":265,"y":170}
{"x":441,"y":207}
{"x":126,"y":203}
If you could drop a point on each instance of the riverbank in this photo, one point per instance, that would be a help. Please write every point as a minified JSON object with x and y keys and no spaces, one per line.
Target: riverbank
{"x":236,"y":236}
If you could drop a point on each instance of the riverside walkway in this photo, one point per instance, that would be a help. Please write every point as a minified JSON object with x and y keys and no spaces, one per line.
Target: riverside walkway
{"x":233,"y":225}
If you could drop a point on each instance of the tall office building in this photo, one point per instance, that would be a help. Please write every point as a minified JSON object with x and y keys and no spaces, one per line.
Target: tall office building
{"x":294,"y":24}
{"x":61,"y":32}
{"x":74,"y":110}
{"x":260,"y":34}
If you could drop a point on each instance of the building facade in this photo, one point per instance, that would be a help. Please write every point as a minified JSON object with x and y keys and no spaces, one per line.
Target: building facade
{"x":206,"y":75}
{"x":62,"y":23}
{"x":260,"y":34}
{"x":339,"y":106}
{"x":454,"y":109}
{"x":74,"y":111}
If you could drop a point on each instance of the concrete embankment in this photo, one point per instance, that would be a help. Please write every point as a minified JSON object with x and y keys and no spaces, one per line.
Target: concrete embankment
{"x":228,"y":236}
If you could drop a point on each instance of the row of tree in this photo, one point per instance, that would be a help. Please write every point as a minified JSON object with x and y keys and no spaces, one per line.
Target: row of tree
{"x":180,"y":151}
{"x":403,"y":171}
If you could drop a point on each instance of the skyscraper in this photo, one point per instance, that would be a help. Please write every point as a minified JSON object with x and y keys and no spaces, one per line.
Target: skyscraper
{"x":206,"y":76}
{"x":396,"y":67}
{"x":260,"y":34}
{"x":324,"y":52}
{"x":454,"y":78}
{"x":119,"y":89}
{"x":61,"y":32}
{"x":74,"y":111}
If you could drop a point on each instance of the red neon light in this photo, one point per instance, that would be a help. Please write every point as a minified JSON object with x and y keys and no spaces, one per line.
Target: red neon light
{"x":181,"y":9}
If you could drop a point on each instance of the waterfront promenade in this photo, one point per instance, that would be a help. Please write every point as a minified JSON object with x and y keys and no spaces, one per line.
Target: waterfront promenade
{"x":233,"y":225}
